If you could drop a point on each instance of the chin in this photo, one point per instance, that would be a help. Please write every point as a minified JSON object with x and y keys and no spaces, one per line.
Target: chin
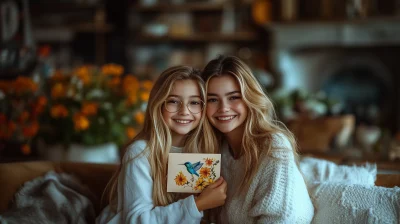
{"x":183,"y":132}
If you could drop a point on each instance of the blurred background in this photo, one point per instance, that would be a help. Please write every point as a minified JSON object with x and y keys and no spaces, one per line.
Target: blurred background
{"x":75,"y":74}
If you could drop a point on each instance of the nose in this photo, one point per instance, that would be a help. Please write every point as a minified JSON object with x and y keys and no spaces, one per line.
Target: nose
{"x":224,"y":107}
{"x":184,"y":110}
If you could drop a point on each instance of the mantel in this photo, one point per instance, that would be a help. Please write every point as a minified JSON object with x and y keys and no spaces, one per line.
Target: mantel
{"x":375,"y":32}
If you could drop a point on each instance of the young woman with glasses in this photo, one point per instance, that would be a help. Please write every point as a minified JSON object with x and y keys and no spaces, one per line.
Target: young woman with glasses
{"x":173,"y":123}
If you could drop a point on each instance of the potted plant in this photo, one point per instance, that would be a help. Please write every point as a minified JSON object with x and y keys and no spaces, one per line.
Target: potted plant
{"x":20,"y":107}
{"x":92,"y":111}
{"x":317,"y":121}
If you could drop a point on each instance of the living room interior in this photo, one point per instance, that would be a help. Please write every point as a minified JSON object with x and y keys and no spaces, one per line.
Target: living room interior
{"x":330,"y":67}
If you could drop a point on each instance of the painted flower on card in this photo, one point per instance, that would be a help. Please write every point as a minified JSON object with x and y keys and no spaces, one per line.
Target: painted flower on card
{"x":201,"y":184}
{"x":205,"y":172}
{"x":209,"y":161}
{"x":180,"y":179}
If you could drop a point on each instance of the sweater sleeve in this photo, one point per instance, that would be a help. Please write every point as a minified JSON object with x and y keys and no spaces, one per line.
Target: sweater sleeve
{"x":137,"y":186}
{"x":281,"y":195}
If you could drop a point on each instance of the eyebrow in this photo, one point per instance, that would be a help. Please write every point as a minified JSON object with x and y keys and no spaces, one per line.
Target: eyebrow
{"x":227,"y":94}
{"x":177,"y":96}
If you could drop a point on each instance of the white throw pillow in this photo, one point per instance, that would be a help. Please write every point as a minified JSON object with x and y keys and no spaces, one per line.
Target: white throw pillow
{"x":355,"y":203}
{"x":319,"y":170}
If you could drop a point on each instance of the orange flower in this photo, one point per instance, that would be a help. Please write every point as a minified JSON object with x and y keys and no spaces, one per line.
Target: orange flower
{"x":145,"y":96}
{"x":132,"y":98}
{"x":89,"y":109}
{"x":130,"y":85}
{"x":180,"y":179}
{"x":147,"y":85}
{"x":39,"y":106}
{"x":139,"y":117}
{"x":83,"y":73}
{"x":201,"y":183}
{"x":58,"y":91}
{"x":112,"y":69}
{"x":42,"y":101}
{"x":58,"y":76}
{"x":114,"y":82}
{"x":81,"y":122}
{"x":58,"y":111}
{"x":30,"y":130}
{"x":205,"y":172}
{"x":209,"y":161}
{"x":130,"y":132}
{"x":24,"y":85}
{"x":26,"y":149}
{"x":23,"y":117}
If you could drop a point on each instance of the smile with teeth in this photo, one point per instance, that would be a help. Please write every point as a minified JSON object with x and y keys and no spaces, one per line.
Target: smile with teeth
{"x":183,"y":121}
{"x":225,"y":118}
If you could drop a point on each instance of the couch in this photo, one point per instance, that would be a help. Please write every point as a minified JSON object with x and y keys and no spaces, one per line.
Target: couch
{"x":94,"y":176}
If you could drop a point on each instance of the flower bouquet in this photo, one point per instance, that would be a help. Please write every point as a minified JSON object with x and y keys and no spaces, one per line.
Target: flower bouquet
{"x":21,"y":105}
{"x":93,"y":105}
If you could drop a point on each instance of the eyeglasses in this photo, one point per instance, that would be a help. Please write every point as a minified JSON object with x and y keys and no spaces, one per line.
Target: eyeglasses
{"x":194,"y":106}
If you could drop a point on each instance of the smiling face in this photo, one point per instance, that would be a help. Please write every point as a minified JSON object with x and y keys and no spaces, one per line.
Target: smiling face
{"x":182,"y":121}
{"x":226,"y":109}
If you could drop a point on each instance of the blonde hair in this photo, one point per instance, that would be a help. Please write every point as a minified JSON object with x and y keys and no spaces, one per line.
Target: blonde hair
{"x":261,"y":122}
{"x":158,"y":136}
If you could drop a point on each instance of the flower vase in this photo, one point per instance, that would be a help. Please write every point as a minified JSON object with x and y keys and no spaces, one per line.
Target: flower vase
{"x":104,"y":153}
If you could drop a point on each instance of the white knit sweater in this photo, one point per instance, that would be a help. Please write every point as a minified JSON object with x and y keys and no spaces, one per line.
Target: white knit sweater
{"x":277,"y":193}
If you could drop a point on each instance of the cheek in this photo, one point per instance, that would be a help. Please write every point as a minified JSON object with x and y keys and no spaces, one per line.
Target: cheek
{"x":209,"y":111}
{"x":164,"y":114}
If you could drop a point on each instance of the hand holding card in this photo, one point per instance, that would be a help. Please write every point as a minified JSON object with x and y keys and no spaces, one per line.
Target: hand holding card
{"x":192,"y":172}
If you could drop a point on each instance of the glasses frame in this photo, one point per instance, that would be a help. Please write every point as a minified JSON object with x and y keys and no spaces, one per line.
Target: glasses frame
{"x":180,"y":107}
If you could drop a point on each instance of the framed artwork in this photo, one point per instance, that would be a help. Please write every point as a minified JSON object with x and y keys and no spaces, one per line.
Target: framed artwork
{"x":192,"y":172}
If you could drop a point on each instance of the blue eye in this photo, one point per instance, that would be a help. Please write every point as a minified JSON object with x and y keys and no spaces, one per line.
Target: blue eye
{"x":212,"y":100}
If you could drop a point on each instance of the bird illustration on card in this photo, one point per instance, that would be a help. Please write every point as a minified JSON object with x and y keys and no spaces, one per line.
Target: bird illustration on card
{"x":192,"y":172}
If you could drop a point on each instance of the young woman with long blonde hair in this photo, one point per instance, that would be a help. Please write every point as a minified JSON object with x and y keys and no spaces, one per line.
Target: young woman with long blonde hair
{"x":173,"y":123}
{"x":258,"y":152}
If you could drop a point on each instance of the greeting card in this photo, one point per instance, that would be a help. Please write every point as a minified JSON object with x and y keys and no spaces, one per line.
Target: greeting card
{"x":192,"y":172}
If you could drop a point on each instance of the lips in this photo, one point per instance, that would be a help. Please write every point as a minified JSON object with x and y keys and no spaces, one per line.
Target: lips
{"x":226,"y":118}
{"x":183,"y":121}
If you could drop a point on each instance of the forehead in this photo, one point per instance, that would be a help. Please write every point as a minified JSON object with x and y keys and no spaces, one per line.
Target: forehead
{"x":224,"y":83}
{"x":185,"y":88}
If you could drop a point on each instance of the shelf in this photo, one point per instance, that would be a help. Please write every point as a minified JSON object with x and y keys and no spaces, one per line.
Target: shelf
{"x":87,"y":27}
{"x":179,"y":7}
{"x":57,"y":7}
{"x":198,"y":37}
{"x":369,"y":20}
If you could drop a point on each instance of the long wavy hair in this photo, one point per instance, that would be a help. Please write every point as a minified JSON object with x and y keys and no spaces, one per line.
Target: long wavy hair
{"x":158,"y":136}
{"x":261,"y":122}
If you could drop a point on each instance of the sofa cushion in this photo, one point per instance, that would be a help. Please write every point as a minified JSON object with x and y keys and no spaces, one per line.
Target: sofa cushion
{"x":320,"y":170}
{"x":355,"y":203}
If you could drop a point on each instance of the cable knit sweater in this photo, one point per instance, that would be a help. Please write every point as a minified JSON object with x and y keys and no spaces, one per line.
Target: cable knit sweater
{"x":277,"y":193}
{"x":135,"y":203}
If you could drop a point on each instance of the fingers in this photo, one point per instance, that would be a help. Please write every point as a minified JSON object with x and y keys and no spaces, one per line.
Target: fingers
{"x":217,"y":183}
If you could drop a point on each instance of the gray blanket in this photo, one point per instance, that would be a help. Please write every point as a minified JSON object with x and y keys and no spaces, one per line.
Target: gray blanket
{"x":54,"y":198}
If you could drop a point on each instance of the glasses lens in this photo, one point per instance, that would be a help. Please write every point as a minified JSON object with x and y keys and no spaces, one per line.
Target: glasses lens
{"x":172,"y":105}
{"x":196,"y":106}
